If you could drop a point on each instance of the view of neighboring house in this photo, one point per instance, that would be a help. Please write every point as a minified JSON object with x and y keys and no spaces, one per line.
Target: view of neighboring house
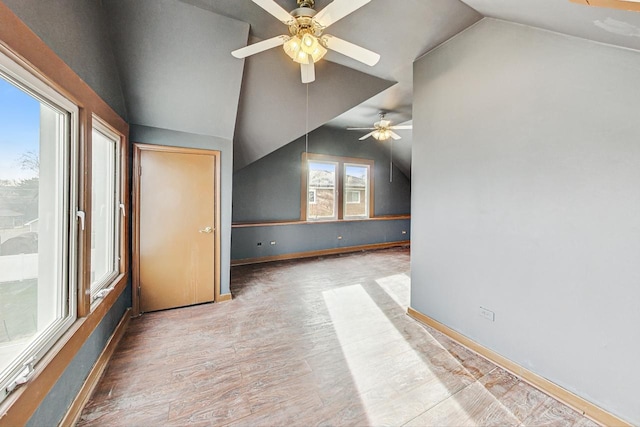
{"x":10,"y":218}
{"x":355,"y":195}
{"x":322,"y":191}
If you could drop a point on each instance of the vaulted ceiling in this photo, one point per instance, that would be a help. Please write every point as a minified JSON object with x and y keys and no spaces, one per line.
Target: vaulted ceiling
{"x":616,"y":27}
{"x":177,"y":70}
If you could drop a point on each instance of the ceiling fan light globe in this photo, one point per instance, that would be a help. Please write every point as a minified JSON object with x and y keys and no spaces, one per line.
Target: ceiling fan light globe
{"x":309,"y":43}
{"x":381,"y":134}
{"x":318,"y":53}
{"x":292,"y":47}
{"x":302,"y":57}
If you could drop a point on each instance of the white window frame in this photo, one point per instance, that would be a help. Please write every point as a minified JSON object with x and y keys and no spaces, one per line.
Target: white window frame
{"x":314,"y":201}
{"x":67,"y":164}
{"x":340,"y":207}
{"x":367,"y":188}
{"x":336,"y":190}
{"x":101,"y":288}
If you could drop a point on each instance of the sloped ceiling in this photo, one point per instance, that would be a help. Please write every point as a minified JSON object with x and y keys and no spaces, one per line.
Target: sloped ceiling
{"x":616,"y":27}
{"x":175,"y":66}
{"x":177,"y":71}
{"x":62,"y":27}
{"x":273,"y":106}
{"x":399,"y":31}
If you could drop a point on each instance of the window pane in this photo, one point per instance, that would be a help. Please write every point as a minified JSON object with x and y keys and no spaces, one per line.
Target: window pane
{"x":321,"y":203}
{"x":103,"y":210}
{"x":33,"y":239}
{"x":356,"y":191}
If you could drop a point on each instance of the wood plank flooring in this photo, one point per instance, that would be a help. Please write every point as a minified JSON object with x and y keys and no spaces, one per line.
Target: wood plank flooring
{"x":316,"y":342}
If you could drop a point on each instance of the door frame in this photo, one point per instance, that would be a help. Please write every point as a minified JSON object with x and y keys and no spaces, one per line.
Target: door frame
{"x":138,"y":148}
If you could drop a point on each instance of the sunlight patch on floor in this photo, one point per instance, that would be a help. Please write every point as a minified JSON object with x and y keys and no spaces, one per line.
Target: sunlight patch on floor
{"x":382,"y":363}
{"x":395,"y":381}
{"x":398,"y":287}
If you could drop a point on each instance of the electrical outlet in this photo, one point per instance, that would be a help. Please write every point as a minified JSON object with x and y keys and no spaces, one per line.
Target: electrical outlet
{"x":487,"y":314}
{"x":259,"y":243}
{"x":273,"y":243}
{"x":339,"y":237}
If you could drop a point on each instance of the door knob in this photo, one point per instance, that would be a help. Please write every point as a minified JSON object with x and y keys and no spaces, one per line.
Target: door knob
{"x":207,"y":230}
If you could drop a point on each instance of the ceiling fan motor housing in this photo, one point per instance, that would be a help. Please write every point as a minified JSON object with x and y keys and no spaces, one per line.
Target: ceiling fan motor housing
{"x":306,"y":3}
{"x":303,"y":23}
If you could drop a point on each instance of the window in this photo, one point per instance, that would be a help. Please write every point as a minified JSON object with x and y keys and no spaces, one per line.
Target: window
{"x":106,"y":208}
{"x":37,"y":220}
{"x":336,"y":188}
{"x":322,"y":183}
{"x":356,"y":188}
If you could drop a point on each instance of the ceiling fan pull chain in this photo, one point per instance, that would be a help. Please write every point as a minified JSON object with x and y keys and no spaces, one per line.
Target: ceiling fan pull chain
{"x":391,"y":161}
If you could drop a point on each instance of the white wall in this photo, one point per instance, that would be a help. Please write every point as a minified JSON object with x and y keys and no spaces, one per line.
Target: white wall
{"x":526,"y":200}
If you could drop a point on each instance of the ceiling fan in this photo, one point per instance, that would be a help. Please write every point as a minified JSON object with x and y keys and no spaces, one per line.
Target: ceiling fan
{"x":307,"y":44}
{"x":382,"y":130}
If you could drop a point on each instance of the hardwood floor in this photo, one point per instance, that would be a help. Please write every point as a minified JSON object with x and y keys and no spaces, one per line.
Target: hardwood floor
{"x":313,"y":342}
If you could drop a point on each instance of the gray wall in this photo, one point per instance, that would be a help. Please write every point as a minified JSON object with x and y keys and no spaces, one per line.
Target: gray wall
{"x":526,"y":201}
{"x":269,"y":190}
{"x":305,"y":237}
{"x":149,"y":135}
{"x":55,"y":405}
{"x":181,"y":85}
{"x":77,"y":31}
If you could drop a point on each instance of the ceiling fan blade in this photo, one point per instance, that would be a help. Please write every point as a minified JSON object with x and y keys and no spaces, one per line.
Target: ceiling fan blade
{"x":308,"y":72}
{"x":337,"y":10}
{"x":361,"y":128}
{"x":259,"y":47}
{"x":394,"y":135}
{"x":351,"y":50}
{"x":401,"y":127}
{"x":275,"y":9}
{"x":366,"y":136}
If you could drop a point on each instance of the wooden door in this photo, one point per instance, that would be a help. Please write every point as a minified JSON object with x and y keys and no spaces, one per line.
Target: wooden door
{"x":176,"y":227}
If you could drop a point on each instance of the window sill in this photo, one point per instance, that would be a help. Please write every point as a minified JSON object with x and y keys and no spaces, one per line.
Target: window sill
{"x":302,"y":222}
